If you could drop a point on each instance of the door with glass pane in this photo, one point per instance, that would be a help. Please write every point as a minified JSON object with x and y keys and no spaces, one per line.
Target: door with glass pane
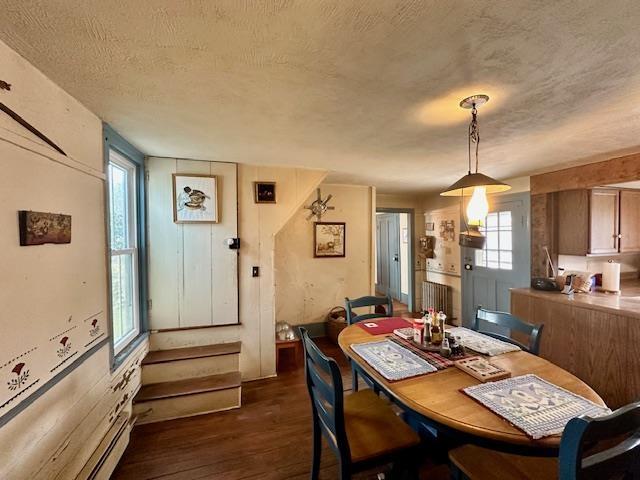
{"x":503,"y":263}
{"x":123,"y":232}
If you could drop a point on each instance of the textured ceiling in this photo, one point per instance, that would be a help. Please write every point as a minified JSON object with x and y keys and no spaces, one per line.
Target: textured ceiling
{"x":366,"y":89}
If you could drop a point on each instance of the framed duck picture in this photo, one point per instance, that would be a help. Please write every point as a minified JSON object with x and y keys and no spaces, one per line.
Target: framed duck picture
{"x":195,"y":198}
{"x":329,"y":239}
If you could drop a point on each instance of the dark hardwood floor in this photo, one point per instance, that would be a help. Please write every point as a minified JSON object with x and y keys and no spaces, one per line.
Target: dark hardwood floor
{"x":268,"y":438}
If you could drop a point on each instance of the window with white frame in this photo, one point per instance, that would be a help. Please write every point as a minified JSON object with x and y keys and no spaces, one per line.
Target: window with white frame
{"x":498,"y":248}
{"x":123,"y":244}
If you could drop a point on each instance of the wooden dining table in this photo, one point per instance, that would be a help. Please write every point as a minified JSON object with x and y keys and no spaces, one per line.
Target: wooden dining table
{"x":438,"y":401}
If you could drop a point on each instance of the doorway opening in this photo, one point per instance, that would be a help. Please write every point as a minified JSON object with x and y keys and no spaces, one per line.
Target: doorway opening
{"x":395,"y":256}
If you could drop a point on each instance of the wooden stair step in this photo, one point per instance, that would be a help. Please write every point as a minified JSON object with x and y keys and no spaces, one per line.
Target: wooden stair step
{"x":190,"y":386}
{"x":174,"y":354}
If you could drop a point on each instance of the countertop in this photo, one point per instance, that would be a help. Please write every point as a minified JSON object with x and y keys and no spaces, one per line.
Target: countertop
{"x":626,"y":303}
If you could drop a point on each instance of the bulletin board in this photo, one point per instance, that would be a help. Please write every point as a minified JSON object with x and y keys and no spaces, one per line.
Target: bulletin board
{"x":446,"y":229}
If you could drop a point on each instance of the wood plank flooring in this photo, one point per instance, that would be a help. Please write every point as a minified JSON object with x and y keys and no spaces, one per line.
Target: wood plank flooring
{"x":268,"y":438}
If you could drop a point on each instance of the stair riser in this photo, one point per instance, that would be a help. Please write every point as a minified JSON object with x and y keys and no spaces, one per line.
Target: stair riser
{"x":190,"y":368}
{"x":186,"y":405}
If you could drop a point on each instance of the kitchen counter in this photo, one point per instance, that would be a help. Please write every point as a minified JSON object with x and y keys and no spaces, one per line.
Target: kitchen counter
{"x":626,"y":303}
{"x":595,"y":336}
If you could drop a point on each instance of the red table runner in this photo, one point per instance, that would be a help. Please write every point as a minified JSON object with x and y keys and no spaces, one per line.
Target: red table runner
{"x":383,"y":325}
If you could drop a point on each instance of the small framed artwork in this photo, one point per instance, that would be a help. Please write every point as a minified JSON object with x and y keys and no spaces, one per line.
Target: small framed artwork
{"x":38,"y":228}
{"x":195,"y":198}
{"x":430,"y":226}
{"x":264,"y":192}
{"x":329,"y":239}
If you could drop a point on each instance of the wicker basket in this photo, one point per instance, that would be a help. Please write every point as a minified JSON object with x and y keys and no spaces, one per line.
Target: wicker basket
{"x":336,"y":322}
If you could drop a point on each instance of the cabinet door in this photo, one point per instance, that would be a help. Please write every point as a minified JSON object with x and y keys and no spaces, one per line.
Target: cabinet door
{"x":573,"y":222}
{"x":604,"y":221}
{"x":629,"y":221}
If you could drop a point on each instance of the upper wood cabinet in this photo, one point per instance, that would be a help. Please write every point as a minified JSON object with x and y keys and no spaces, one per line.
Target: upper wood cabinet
{"x":598,"y":221}
{"x":629,"y":221}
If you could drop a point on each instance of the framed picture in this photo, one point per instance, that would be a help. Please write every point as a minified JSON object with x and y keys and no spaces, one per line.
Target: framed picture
{"x":38,"y":228}
{"x":195,"y":198}
{"x":329,"y":239}
{"x":264,"y":192}
{"x":430,"y":227}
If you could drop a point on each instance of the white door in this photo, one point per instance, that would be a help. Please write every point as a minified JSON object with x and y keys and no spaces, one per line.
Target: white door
{"x":193,"y":275}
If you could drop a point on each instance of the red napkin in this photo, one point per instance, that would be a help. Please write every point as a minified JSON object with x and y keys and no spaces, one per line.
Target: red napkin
{"x":382,"y":325}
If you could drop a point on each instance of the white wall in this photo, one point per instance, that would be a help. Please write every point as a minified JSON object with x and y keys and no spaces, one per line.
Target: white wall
{"x":307,"y":287}
{"x":258,"y":224}
{"x":405,"y":265}
{"x":50,"y":290}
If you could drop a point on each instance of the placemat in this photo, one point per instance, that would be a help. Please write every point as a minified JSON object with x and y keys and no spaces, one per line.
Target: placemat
{"x":435,"y":359}
{"x":533,"y":405}
{"x":482,"y":343}
{"x":382,"y":325}
{"x":391,"y":360}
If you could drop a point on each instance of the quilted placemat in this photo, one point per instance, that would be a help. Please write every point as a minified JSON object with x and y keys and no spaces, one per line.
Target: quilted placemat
{"x":482,"y":343}
{"x":533,"y":405}
{"x":392,"y":361}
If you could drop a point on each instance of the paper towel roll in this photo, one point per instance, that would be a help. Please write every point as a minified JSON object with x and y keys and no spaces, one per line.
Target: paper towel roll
{"x":611,"y":277}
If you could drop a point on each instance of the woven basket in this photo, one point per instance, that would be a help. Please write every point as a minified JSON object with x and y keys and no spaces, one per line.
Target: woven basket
{"x":336,"y":322}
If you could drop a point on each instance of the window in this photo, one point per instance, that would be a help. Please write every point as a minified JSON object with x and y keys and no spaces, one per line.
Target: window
{"x":498,"y":249}
{"x":123,"y":244}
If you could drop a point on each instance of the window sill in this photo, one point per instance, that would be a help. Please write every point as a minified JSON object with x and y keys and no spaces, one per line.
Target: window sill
{"x":120,"y":358}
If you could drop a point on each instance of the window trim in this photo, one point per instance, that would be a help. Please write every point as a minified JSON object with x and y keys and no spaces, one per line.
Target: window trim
{"x":114,"y":141}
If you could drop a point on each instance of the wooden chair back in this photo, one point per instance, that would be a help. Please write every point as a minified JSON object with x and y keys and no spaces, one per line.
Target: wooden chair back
{"x":620,"y":458}
{"x":368,"y":301}
{"x":324,"y":383}
{"x":504,"y":319}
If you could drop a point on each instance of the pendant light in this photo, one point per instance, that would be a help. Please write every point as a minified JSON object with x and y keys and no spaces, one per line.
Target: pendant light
{"x":476,"y":185}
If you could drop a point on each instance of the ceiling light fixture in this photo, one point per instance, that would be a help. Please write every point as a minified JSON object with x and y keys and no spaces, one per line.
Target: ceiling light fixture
{"x":475,"y":184}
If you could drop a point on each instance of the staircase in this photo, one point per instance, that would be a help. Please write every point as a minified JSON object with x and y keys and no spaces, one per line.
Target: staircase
{"x":182,"y":382}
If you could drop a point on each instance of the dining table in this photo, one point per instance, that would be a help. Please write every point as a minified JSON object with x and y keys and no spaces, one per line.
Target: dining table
{"x":437,"y":400}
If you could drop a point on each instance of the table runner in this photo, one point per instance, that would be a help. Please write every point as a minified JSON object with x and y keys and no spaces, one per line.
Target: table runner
{"x":535,"y":406}
{"x":482,"y":343}
{"x":391,"y":360}
{"x":435,"y":359}
{"x":383,"y":325}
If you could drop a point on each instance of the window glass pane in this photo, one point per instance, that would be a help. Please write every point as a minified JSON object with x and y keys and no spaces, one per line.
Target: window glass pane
{"x":492,"y":221}
{"x":492,"y":240}
{"x":119,"y":226}
{"x":480,"y":259}
{"x":505,"y":240}
{"x":492,"y":259}
{"x":505,"y":219}
{"x":122,"y":296}
{"x":505,"y":257}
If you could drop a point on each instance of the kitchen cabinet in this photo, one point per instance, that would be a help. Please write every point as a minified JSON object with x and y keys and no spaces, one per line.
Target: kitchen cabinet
{"x":598,"y":221}
{"x":629,"y":221}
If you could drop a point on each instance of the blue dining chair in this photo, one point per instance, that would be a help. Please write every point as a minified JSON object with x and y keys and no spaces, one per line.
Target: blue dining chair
{"x":385,"y":303}
{"x":506,"y":320}
{"x":590,"y":449}
{"x":360,"y":428}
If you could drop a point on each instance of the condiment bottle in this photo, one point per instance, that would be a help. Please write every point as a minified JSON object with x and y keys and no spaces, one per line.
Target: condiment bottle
{"x":445,"y":349}
{"x":436,"y":333}
{"x":418,"y":330}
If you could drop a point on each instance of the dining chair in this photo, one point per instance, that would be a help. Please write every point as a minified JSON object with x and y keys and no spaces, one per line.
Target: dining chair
{"x":506,"y":320}
{"x":360,"y":428}
{"x":590,"y":449}
{"x":378,"y":303}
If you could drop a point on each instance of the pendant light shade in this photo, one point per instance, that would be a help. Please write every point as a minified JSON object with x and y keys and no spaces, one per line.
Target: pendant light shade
{"x":465,"y":186}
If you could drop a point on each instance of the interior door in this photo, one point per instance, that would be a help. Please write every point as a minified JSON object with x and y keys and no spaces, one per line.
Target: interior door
{"x":388,"y":257}
{"x":505,"y":261}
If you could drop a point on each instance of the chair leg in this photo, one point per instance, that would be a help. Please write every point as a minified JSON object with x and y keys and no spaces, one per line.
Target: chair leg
{"x":317,"y":452}
{"x":354,"y":379}
{"x":345,"y":471}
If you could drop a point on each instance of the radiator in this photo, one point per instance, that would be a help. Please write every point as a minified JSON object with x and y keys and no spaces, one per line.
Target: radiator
{"x":437,"y":296}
